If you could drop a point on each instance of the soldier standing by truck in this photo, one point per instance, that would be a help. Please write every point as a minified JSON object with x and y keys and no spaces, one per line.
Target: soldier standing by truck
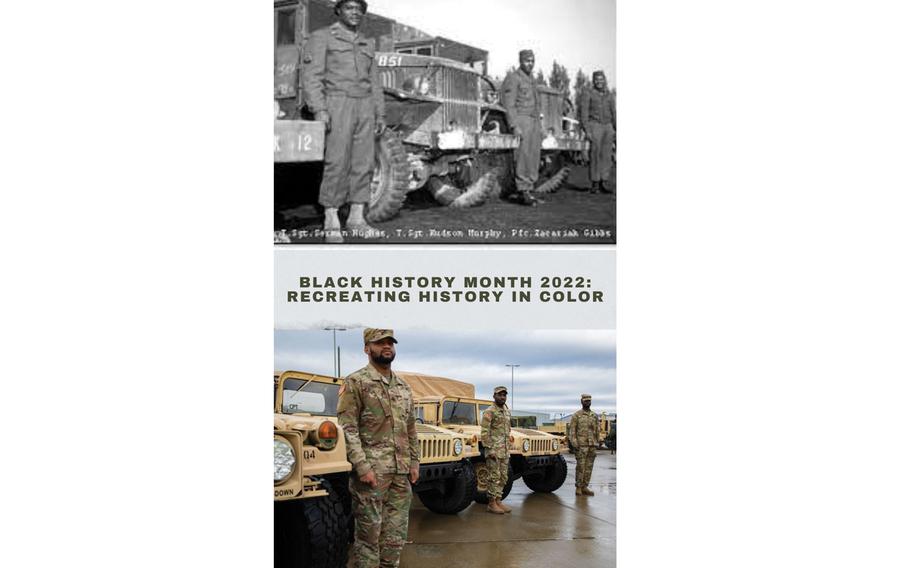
{"x":597,"y":114}
{"x":494,"y":434}
{"x":583,"y":432}
{"x":341,"y":88}
{"x":376,"y":412}
{"x":522,"y":103}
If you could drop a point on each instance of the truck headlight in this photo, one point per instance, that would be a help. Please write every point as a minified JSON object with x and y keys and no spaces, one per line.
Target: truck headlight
{"x":526,"y":445}
{"x":555,"y":444}
{"x":284,"y":460}
{"x":457,"y":446}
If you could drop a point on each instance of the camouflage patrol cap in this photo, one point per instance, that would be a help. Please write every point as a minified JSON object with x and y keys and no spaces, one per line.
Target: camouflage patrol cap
{"x":525,"y":52}
{"x":340,"y":3}
{"x":371,"y":334}
{"x":498,"y":390}
{"x":585,"y":397}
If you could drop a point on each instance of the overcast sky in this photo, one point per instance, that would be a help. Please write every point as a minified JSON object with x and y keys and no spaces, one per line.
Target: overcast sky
{"x":576,"y":33}
{"x":556,"y":365}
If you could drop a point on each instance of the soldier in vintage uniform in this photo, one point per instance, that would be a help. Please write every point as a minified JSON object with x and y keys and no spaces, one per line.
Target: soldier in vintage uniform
{"x":376,"y":413}
{"x":341,"y":87}
{"x":494,"y":435}
{"x":597,"y":114}
{"x":583,"y":434}
{"x":522,"y":103}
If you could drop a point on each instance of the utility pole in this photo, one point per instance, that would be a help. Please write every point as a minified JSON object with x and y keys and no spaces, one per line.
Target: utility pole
{"x":512,"y":388}
{"x":336,"y":352}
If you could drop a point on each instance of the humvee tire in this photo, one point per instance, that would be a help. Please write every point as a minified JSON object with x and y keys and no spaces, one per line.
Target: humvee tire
{"x":312,"y":533}
{"x":459,"y":492}
{"x":390,"y":178}
{"x":550,"y":479}
{"x":482,"y":497}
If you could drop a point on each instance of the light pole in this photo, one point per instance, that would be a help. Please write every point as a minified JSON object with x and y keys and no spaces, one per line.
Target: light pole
{"x":336,"y":363}
{"x":512,"y":388}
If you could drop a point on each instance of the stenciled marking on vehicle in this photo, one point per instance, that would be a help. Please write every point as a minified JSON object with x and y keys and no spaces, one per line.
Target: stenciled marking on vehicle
{"x":308,"y":455}
{"x":284,"y":492}
{"x":389,"y":60}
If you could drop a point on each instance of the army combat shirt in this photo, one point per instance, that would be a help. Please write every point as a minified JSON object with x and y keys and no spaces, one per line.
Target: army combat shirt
{"x":495,"y":428}
{"x":377,"y":416}
{"x":584,"y":429}
{"x":337,"y":60}
{"x":520,"y":96}
{"x":597,"y":106}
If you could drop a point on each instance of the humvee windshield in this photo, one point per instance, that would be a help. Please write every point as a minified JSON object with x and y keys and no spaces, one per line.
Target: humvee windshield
{"x":459,"y":413}
{"x":320,"y":399}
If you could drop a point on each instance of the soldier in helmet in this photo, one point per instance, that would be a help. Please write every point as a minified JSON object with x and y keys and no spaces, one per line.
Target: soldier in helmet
{"x":341,"y":88}
{"x":597,"y":114}
{"x":376,"y":412}
{"x":583,"y":433}
{"x":522,"y":103}
{"x":494,"y":435}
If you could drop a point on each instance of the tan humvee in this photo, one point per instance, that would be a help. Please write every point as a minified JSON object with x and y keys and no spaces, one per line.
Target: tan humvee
{"x":534,"y":456}
{"x":313,"y":520}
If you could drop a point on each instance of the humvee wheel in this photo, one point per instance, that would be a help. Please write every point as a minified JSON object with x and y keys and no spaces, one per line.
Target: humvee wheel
{"x":390,"y":178}
{"x":481,"y":496}
{"x":457,"y":495}
{"x":312,"y":532}
{"x":550,"y":479}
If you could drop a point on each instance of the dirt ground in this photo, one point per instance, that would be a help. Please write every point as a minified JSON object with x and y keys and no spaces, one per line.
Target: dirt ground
{"x":569,"y":215}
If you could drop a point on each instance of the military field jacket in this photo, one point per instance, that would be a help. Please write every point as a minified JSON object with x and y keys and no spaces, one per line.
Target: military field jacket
{"x":337,"y":60}
{"x":584,"y":429}
{"x":596,"y":106}
{"x":495,"y":428}
{"x":379,"y":422}
{"x":520,"y":96}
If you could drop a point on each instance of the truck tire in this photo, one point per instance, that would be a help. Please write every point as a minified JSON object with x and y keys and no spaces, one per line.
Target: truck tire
{"x":550,"y":479}
{"x":482,"y":497}
{"x":313,"y":532}
{"x":458,"y":494}
{"x":390,"y":178}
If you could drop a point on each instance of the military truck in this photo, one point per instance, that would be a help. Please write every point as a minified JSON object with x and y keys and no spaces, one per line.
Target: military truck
{"x":447,"y":131}
{"x":447,"y":481}
{"x":313,"y":523}
{"x":536,"y":457}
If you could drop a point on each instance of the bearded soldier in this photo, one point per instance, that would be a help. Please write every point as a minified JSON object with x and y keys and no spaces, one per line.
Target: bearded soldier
{"x":583,"y":433}
{"x":341,"y":88}
{"x":494,"y":434}
{"x":376,"y":412}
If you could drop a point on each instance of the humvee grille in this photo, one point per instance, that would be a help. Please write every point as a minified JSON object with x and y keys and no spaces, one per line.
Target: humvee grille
{"x":540,"y":445}
{"x":435,"y":448}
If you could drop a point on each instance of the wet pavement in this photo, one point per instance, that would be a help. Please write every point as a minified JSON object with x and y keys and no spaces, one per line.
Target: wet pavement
{"x":544,"y":529}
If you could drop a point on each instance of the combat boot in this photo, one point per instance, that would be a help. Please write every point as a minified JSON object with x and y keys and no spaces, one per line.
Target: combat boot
{"x":525,"y":198}
{"x":493,"y":507}
{"x":586,"y":491}
{"x":578,"y":491}
{"x":503,"y":506}
{"x":332,"y":227}
{"x":357,"y":225}
{"x":595,"y":186}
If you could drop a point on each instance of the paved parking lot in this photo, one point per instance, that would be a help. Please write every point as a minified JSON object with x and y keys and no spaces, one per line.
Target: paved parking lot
{"x":556,"y":529}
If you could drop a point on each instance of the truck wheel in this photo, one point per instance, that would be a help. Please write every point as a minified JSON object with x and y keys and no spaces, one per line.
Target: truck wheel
{"x":457,"y":494}
{"x":312,"y":532}
{"x":390,"y":178}
{"x":481,"y":496}
{"x":553,"y":174}
{"x":550,"y":479}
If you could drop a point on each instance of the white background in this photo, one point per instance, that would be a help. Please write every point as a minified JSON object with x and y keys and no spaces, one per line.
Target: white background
{"x":762,"y":308}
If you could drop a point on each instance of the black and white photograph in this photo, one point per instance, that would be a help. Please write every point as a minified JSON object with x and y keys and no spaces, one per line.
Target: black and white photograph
{"x":398,"y":121}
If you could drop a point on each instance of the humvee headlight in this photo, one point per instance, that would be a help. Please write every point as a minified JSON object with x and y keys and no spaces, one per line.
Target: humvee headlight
{"x":555,"y":444}
{"x":526,"y":445}
{"x":284,"y":460}
{"x":457,"y":447}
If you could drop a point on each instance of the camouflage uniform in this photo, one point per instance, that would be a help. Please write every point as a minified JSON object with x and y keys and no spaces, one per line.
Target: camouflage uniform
{"x":522,"y":103}
{"x":583,"y":433}
{"x":494,"y":434}
{"x":340,"y":76}
{"x":597,"y":115}
{"x":378,"y":419}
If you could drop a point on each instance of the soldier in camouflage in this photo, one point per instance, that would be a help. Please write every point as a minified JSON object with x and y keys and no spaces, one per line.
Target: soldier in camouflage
{"x":376,"y":412}
{"x":583,"y":434}
{"x":494,"y":435}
